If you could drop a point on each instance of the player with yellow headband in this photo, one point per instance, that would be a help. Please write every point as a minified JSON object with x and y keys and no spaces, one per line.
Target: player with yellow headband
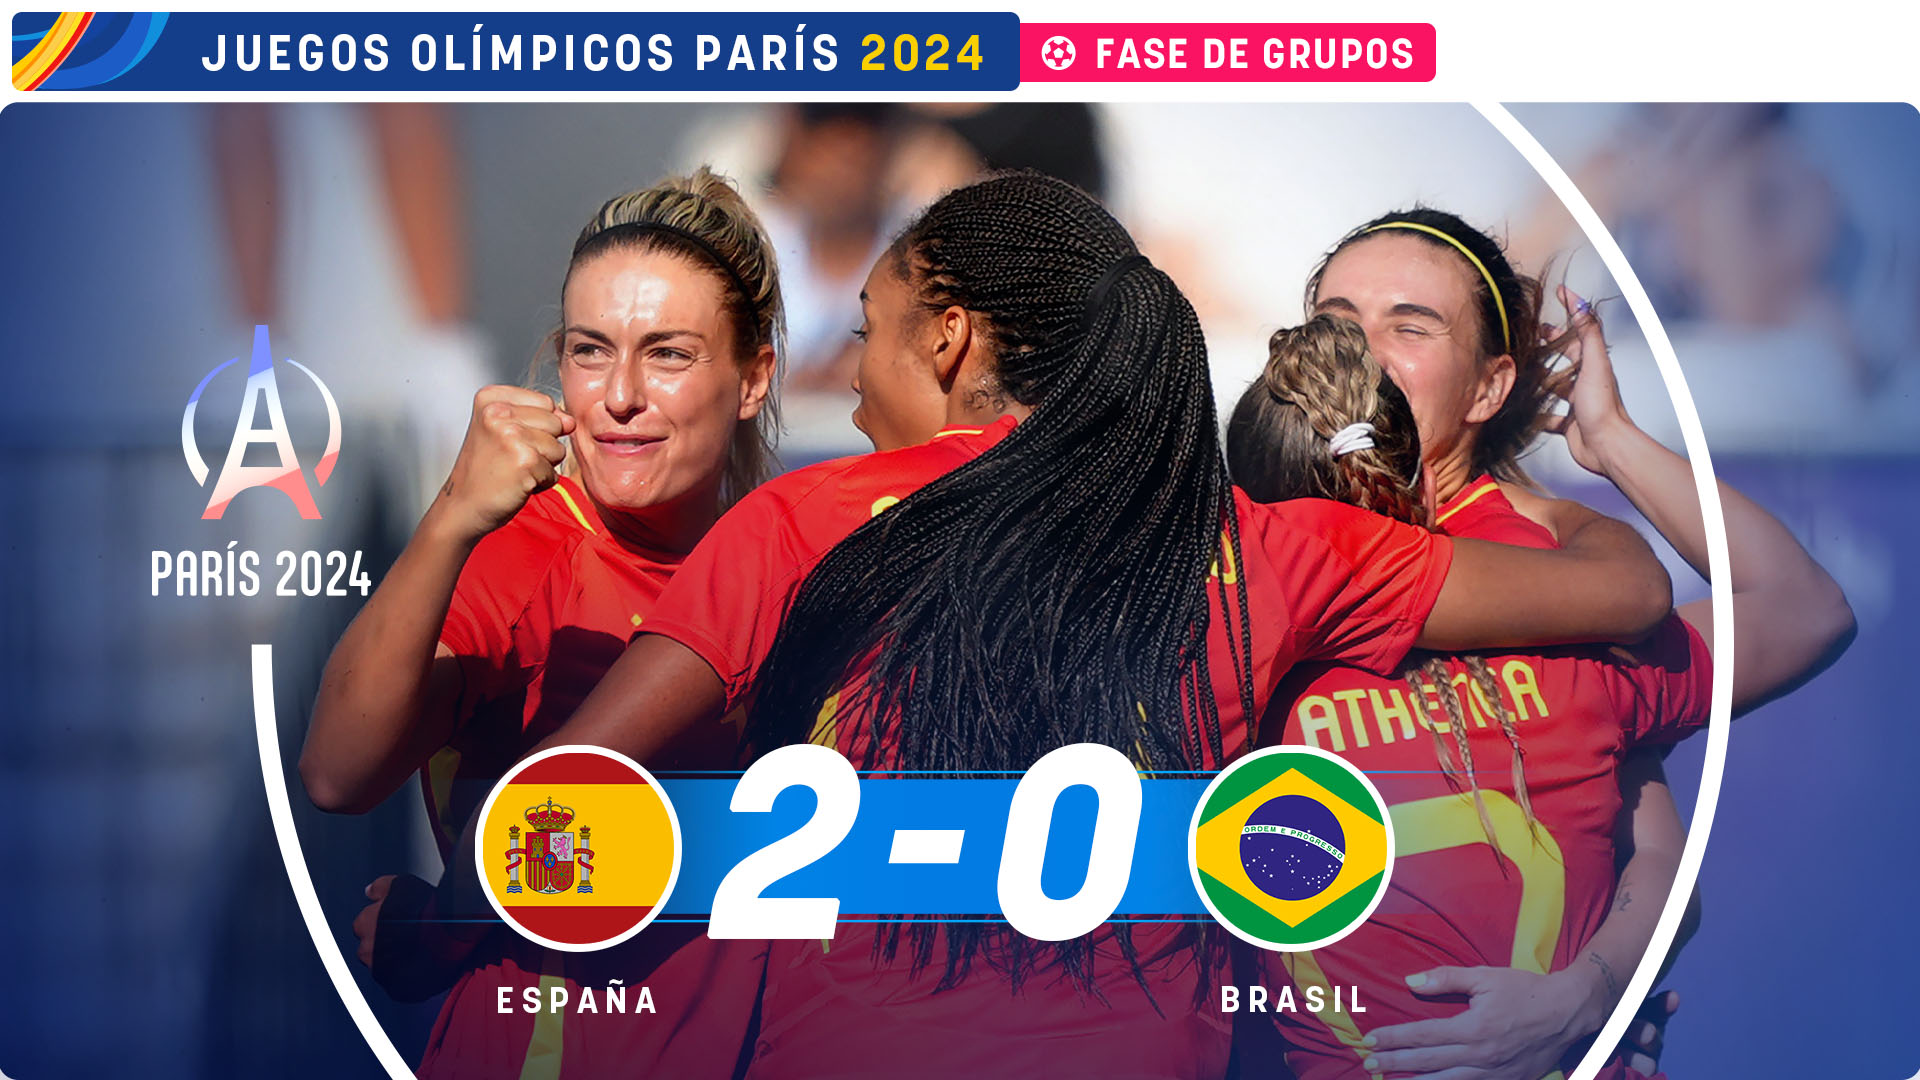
{"x":1461,"y":333}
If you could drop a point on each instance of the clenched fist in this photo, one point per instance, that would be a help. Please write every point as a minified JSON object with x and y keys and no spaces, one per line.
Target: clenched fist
{"x":512,"y":451}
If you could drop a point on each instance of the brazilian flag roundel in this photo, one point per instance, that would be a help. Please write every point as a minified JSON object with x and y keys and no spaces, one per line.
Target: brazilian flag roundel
{"x":1291,"y":848}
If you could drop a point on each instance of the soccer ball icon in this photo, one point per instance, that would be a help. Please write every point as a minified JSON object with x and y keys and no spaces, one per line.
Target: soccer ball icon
{"x":1057,"y":52}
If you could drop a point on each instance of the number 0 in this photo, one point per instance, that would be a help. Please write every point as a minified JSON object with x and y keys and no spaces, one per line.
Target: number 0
{"x":1116,"y":828}
{"x":739,"y":911}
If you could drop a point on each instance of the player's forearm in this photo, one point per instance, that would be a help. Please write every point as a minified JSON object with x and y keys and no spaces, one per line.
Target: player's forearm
{"x":376,"y":715}
{"x":1603,"y":584}
{"x":1789,"y":612}
{"x":1652,"y":840}
{"x":1764,"y":555}
{"x":651,"y":699}
{"x":1613,"y":954}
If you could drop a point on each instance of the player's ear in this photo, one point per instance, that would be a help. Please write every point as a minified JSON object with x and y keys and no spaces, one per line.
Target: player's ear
{"x":756,"y":381}
{"x":953,"y":339}
{"x":1496,"y":382}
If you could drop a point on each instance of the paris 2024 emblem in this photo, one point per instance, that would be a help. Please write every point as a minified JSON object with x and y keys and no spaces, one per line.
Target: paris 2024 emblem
{"x":285,"y":475}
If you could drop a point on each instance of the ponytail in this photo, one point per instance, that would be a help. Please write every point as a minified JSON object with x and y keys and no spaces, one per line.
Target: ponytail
{"x":1054,"y":589}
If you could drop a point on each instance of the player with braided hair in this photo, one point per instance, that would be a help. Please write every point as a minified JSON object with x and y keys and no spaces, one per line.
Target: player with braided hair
{"x":1446,"y":904}
{"x":1045,"y":550}
{"x":1459,"y":331}
{"x":1324,"y":421}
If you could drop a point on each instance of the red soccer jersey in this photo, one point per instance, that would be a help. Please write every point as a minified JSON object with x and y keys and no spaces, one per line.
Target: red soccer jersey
{"x":1452,"y":900}
{"x":1323,"y":579}
{"x":544,"y":606}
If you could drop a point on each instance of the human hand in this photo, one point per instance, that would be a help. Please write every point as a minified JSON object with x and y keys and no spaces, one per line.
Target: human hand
{"x":512,"y":451}
{"x":368,"y":921}
{"x":1517,"y":1026}
{"x":1596,"y":418}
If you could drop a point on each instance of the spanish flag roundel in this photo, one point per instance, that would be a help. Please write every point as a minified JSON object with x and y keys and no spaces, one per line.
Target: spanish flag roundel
{"x":1291,"y":848}
{"x":579,"y":848}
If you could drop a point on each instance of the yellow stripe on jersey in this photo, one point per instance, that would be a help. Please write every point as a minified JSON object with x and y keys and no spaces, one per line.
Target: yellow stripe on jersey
{"x":825,"y":732}
{"x":575,"y":507}
{"x":543,"y":1049}
{"x":1232,"y":576}
{"x":1305,"y":972}
{"x":442,"y":768}
{"x":1467,"y":500}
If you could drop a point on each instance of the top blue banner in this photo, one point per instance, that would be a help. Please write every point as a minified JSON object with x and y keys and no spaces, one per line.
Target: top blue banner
{"x":441,"y":51}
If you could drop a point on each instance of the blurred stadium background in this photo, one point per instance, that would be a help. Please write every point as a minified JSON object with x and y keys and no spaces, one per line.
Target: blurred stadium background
{"x":409,"y":253}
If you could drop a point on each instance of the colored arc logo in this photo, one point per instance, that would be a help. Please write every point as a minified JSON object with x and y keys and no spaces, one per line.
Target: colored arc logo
{"x":73,"y":50}
{"x":237,"y":476}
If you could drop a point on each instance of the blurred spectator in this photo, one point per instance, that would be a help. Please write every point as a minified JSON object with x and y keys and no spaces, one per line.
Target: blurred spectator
{"x":834,"y":180}
{"x":1764,"y":256}
{"x":955,"y":143}
{"x":827,"y":214}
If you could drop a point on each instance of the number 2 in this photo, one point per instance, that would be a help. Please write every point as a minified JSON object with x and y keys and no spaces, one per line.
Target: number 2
{"x":739,"y":911}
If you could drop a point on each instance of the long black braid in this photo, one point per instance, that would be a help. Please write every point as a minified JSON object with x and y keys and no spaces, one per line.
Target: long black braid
{"x":1053,"y":590}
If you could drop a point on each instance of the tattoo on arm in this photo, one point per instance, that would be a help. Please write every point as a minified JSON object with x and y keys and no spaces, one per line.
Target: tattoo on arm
{"x":1606,"y":972}
{"x":1624,"y":899}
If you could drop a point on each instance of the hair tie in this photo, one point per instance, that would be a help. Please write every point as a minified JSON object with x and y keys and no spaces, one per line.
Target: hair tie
{"x":1097,"y":299}
{"x":637,"y":228}
{"x":1350,"y":438}
{"x":1506,"y":334}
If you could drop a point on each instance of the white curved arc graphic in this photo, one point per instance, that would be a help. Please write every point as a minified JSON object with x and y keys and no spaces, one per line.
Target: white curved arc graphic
{"x":195,"y":463}
{"x":1718,"y":562}
{"x":190,"y":445}
{"x":296,"y":863}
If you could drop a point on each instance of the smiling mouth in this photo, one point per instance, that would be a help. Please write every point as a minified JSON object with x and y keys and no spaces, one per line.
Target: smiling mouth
{"x":626,"y":444}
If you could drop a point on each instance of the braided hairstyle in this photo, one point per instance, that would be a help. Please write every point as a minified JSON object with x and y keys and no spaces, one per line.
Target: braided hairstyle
{"x":1319,"y":379}
{"x":1505,"y":437}
{"x":1054,"y":589}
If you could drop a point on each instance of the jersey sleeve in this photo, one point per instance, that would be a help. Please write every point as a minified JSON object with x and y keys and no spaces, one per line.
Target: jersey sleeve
{"x":1357,"y":586}
{"x":1669,"y":685}
{"x":495,"y":590}
{"x":727,"y":600}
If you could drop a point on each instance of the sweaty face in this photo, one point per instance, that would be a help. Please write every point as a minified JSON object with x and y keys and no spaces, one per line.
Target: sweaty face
{"x":901,"y":403}
{"x":648,"y":372}
{"x":1418,"y":304}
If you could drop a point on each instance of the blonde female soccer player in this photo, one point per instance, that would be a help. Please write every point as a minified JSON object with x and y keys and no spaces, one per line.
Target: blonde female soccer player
{"x":522,"y":585}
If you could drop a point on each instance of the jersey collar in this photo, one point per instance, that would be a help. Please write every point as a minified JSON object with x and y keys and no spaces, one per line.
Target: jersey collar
{"x":997,"y":430}
{"x":1472,"y":493}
